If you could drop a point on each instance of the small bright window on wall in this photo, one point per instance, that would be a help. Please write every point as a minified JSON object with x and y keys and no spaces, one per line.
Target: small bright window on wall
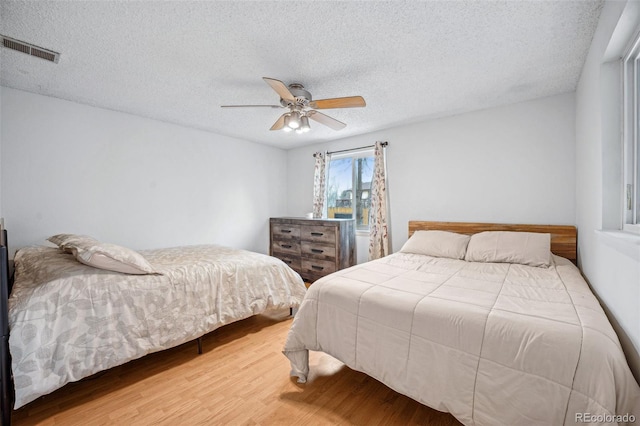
{"x":349,"y":187}
{"x":631,"y":90}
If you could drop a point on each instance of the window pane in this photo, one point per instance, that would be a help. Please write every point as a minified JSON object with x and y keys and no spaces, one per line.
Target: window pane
{"x":364,"y":174}
{"x":339,"y":189}
{"x":349,"y":189}
{"x":631,"y":129}
{"x":636,"y":121}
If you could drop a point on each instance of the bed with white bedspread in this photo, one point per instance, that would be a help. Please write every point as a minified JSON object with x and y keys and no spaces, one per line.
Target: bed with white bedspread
{"x":69,"y":321}
{"x":491,"y":343}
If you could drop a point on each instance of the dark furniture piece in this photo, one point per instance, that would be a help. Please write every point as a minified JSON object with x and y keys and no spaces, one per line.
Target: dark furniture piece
{"x":313,"y":247}
{"x":6,"y":390}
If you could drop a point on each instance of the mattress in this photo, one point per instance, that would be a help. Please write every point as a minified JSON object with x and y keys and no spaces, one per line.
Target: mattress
{"x":490,"y":343}
{"x":69,"y":321}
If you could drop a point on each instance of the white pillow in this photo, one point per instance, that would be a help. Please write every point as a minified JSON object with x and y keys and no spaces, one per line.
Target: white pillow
{"x":437,"y":244}
{"x":114,"y":258}
{"x":62,"y":240}
{"x":107,"y":256}
{"x":526,"y":248}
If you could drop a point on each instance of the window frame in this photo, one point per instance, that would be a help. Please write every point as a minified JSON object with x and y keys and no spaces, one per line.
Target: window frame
{"x":631,"y":137}
{"x":354,"y":155}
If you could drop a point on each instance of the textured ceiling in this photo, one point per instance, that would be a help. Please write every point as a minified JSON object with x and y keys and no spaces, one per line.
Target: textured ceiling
{"x":178,"y":61}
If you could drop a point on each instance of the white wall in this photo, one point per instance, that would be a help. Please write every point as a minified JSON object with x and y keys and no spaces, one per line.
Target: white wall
{"x":612,"y":266}
{"x":67,"y":167}
{"x":513,"y":164}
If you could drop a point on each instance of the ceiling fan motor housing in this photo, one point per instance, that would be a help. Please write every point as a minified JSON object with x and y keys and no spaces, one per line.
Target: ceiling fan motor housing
{"x":302,"y":96}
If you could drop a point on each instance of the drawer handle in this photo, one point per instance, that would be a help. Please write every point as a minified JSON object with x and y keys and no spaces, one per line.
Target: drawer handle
{"x":286,"y":245}
{"x":317,"y":268}
{"x":317,"y":250}
{"x":288,"y":261}
{"x":285,"y":231}
{"x":317,"y":234}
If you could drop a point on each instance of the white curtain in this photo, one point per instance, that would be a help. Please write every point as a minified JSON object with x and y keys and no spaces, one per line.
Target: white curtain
{"x":378,"y":216}
{"x":319,"y":185}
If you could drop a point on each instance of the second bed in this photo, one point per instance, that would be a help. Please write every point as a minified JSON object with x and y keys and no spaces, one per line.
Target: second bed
{"x":69,"y":320}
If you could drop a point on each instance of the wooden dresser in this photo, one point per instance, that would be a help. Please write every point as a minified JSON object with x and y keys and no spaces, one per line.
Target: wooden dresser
{"x":313,"y":247}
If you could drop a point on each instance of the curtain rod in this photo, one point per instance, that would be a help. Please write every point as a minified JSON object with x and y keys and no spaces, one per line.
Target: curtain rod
{"x":384,"y":144}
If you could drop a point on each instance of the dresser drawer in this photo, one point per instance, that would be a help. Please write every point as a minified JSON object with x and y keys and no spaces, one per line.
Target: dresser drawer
{"x":318,"y":267}
{"x":320,"y":234}
{"x":284,"y":246}
{"x":292,"y":261}
{"x":285,"y":232}
{"x":318,"y":251}
{"x":310,"y":277}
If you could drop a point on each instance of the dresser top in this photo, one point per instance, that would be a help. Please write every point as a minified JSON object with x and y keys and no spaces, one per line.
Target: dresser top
{"x":304,"y":219}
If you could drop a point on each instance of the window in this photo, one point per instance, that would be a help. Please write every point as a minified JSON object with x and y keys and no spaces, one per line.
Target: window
{"x":631,"y":132}
{"x":349,"y":187}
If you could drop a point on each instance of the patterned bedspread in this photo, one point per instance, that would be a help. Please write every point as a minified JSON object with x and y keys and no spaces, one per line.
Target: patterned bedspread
{"x":69,"y":321}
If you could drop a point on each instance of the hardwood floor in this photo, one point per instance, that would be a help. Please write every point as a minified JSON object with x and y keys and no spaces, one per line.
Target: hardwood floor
{"x":241,"y":378}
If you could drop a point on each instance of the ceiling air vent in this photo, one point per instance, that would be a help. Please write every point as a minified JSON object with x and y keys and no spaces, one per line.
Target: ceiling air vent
{"x":30,"y":49}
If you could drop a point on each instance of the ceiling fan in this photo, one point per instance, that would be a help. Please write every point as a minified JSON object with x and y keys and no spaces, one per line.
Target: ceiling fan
{"x":301,"y":107}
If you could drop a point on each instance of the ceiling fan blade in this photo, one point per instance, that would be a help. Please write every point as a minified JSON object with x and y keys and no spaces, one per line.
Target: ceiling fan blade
{"x":279,"y":124}
{"x":280,"y":88}
{"x":251,"y":106}
{"x":326,"y":120}
{"x":347,"y":102}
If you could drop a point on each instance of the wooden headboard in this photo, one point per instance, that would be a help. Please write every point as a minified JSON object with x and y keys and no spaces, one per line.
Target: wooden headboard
{"x":564,"y":238}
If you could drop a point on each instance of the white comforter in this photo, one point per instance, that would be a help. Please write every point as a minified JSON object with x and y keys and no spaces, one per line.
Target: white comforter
{"x":68,"y":320}
{"x":493,"y":344}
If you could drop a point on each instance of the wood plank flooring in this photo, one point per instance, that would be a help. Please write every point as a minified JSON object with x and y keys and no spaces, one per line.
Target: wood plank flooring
{"x":241,"y":378}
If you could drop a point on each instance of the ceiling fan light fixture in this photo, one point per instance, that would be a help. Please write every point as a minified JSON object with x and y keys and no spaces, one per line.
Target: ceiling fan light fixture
{"x":304,"y":124}
{"x":286,"y":126}
{"x":294,"y":120}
